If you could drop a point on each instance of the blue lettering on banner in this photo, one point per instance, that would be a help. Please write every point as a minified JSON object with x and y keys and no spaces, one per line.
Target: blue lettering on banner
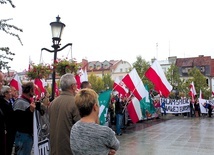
{"x":175,"y":106}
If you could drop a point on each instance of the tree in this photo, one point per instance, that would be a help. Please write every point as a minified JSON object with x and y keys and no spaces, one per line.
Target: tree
{"x":173,"y":77}
{"x":199,"y":82}
{"x":107,"y":81}
{"x":6,"y":54}
{"x":141,"y":66}
{"x":96,"y":82}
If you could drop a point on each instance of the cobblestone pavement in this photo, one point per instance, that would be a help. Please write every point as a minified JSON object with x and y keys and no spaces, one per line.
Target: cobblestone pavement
{"x":169,"y":135}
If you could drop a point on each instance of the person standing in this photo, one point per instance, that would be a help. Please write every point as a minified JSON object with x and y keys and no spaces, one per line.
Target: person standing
{"x":63,"y":114}
{"x":15,"y":95}
{"x":197,"y":107}
{"x":2,"y":122}
{"x":87,"y":137}
{"x":119,"y":115}
{"x":210,"y":109}
{"x":85,"y":84}
{"x":8,"y":113}
{"x":23,"y":118}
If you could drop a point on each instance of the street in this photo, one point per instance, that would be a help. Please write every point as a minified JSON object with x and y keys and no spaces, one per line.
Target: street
{"x":169,"y":135}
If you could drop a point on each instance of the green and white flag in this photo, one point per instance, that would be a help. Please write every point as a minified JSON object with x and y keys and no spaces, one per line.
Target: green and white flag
{"x":146,"y":104}
{"x":104,"y":99}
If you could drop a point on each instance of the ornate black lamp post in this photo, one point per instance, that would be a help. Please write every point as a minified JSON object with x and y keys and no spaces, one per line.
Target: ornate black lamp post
{"x":57,"y":29}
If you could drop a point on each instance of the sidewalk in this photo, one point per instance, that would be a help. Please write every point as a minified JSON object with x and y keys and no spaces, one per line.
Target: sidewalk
{"x":169,"y":135}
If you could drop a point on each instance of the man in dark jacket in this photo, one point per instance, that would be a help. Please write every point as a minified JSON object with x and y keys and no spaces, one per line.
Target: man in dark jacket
{"x":119,"y":114}
{"x":23,"y":116}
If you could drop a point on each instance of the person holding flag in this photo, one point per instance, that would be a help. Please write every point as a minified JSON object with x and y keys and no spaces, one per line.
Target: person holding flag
{"x":119,"y":106}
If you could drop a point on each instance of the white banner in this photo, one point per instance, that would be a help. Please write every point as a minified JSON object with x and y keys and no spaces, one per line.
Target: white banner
{"x":174,"y":106}
{"x":202,"y":102}
{"x":41,"y":133}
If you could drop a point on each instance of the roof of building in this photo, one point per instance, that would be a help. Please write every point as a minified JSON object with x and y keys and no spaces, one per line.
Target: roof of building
{"x":113,"y":64}
{"x":194,"y":61}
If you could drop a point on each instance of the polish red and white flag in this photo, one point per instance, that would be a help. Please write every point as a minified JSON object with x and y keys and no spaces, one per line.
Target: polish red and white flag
{"x":134,"y":110}
{"x":192,"y":91}
{"x":40,"y":90}
{"x":81,"y":76}
{"x":135,"y":84}
{"x":156,"y":75}
{"x":120,"y":87}
{"x":16,"y":83}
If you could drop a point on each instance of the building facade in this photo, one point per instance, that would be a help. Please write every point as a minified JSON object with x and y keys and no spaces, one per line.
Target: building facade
{"x":115,"y":68}
{"x":204,"y":63}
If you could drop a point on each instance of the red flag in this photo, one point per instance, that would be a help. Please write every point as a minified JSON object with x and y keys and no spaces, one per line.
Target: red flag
{"x":192,"y":92}
{"x":134,"y":110}
{"x":135,"y":84}
{"x":156,"y":75}
{"x":16,"y":83}
{"x":40,"y":90}
{"x":120,"y":87}
{"x":80,"y":77}
{"x":56,"y":90}
{"x":77,"y":77}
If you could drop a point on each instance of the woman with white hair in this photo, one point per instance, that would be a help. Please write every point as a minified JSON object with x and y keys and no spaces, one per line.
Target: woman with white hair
{"x":8,"y":119}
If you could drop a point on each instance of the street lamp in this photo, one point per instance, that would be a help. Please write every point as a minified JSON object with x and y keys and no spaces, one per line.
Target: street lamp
{"x":57,"y":29}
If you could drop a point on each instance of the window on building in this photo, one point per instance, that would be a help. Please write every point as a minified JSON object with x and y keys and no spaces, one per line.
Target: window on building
{"x":121,"y":70}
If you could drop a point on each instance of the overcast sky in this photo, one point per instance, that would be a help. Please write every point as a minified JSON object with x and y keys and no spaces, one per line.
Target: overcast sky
{"x":114,"y":29}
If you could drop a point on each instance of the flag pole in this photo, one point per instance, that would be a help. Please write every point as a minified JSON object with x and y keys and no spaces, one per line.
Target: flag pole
{"x":127,"y":101}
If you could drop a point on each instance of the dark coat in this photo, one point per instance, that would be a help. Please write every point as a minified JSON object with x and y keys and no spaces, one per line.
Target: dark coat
{"x":6,"y":124}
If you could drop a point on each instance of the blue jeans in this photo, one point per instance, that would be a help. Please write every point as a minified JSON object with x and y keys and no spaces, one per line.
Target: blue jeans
{"x":23,"y":143}
{"x":119,"y":120}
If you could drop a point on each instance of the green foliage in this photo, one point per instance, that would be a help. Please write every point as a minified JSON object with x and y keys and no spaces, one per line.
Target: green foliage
{"x":64,"y":66}
{"x":5,"y":53}
{"x":39,"y":71}
{"x":108,"y":82}
{"x":199,"y":82}
{"x":96,"y":82}
{"x":173,"y":78}
{"x":141,"y":66}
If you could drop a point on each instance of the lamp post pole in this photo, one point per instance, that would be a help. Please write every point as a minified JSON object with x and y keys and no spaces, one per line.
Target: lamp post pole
{"x":57,"y":28}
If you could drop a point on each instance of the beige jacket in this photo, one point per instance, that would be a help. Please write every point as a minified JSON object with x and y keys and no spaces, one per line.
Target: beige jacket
{"x":63,"y":114}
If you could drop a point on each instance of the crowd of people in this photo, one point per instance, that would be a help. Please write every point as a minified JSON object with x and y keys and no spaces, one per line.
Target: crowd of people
{"x":195,"y":110}
{"x":73,"y":118}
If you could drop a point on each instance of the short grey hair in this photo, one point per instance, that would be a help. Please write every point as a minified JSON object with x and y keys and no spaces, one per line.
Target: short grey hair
{"x":4,"y":89}
{"x":66,"y":81}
